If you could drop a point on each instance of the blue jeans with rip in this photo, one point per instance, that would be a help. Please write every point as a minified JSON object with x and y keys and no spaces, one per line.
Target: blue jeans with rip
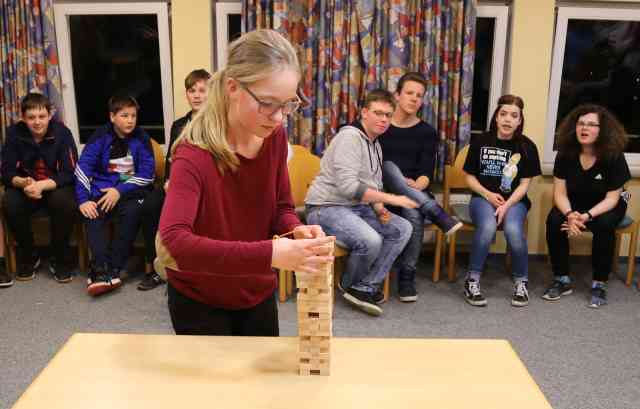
{"x":482,"y":216}
{"x":373,"y":246}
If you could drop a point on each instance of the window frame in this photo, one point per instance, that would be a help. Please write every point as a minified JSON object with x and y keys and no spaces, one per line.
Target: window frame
{"x":223,"y":11}
{"x":62,"y":11}
{"x":564,"y":14}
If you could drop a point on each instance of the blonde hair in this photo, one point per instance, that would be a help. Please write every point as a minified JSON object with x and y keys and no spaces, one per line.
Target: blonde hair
{"x":252,"y":57}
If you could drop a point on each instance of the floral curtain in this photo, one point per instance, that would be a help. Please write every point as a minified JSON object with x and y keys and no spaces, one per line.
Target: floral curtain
{"x":348,"y":47}
{"x":28,"y":56}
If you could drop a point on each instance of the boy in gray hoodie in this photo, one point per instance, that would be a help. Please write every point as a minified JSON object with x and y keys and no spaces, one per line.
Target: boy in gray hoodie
{"x":347,"y":200}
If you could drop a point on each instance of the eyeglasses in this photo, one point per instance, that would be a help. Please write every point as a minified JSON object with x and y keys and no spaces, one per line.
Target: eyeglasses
{"x":587,"y":125}
{"x":380,"y":114}
{"x":270,"y":108}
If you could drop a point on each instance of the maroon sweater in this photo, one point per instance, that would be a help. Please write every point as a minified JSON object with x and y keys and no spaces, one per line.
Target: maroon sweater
{"x":217,"y":228}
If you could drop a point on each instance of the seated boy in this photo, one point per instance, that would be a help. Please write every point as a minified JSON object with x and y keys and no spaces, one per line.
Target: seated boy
{"x":114,"y":174}
{"x":38,"y":158}
{"x":196,"y":91}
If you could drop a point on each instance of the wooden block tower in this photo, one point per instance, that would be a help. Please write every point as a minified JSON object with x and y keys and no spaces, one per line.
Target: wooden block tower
{"x":315,"y":312}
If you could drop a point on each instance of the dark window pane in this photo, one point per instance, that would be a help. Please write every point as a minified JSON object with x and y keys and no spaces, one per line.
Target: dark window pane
{"x":113,"y":54}
{"x":485,"y":27}
{"x":602,"y":66}
{"x":235,"y":26}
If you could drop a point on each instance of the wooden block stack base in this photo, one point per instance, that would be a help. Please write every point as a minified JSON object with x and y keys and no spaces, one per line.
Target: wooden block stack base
{"x":315,"y":312}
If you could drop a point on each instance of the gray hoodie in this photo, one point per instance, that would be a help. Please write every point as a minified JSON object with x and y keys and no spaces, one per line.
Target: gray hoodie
{"x":351,"y":164}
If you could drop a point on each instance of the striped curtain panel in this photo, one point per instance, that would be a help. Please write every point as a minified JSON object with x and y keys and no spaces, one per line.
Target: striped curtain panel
{"x":348,"y":47}
{"x":28,"y":56}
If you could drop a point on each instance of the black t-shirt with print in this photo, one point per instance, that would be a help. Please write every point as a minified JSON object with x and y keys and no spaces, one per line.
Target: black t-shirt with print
{"x":586,"y":188}
{"x":499,"y":164}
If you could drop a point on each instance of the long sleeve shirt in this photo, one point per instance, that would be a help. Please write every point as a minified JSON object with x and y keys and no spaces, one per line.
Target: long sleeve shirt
{"x":216,"y":228}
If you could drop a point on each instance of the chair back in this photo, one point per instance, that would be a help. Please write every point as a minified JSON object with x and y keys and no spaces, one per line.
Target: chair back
{"x":454,"y":177}
{"x":303,"y":168}
{"x":158,"y":157}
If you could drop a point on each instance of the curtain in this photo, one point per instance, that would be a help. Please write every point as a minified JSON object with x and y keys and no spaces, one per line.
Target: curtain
{"x":347,"y":47}
{"x":28,"y":57}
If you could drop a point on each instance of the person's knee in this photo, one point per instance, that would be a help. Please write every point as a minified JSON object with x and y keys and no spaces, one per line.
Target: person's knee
{"x":62,"y":202}
{"x":405,"y":229}
{"x":13,"y":203}
{"x":555,"y":219}
{"x":367,"y":243}
{"x":485,"y":229}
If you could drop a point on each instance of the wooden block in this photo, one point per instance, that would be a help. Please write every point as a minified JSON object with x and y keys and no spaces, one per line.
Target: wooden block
{"x":313,"y":306}
{"x":314,"y":315}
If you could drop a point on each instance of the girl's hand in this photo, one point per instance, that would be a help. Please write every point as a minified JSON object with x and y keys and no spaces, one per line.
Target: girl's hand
{"x":304,"y":255}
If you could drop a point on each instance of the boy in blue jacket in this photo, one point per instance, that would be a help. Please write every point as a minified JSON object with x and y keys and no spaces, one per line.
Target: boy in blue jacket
{"x":114,"y":174}
{"x":38,"y":158}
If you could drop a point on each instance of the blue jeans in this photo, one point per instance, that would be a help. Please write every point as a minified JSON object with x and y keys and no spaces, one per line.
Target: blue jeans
{"x":482,"y":216}
{"x":395,"y":182}
{"x":373,"y":246}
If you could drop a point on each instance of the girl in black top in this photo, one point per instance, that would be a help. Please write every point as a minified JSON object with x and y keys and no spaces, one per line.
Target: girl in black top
{"x":589,"y":176}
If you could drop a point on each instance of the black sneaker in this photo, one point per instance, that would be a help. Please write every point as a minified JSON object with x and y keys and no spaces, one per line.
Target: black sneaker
{"x":557,"y":289}
{"x":378,"y":297}
{"x":115,"y":278}
{"x":446,"y":223}
{"x":61,"y":273}
{"x":362,"y":300}
{"x":5,"y":277}
{"x":520,"y":296}
{"x":407,"y":291}
{"x":27,"y":271}
{"x":472,"y":293}
{"x":150,"y":281}
{"x":99,"y":282}
{"x":598,"y":297}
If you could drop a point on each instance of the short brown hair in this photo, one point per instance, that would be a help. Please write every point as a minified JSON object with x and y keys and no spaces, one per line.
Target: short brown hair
{"x":34,"y":100}
{"x":195,"y":76}
{"x":121,"y":101}
{"x":411,"y":76}
{"x":612,"y":138}
{"x":379,"y":95}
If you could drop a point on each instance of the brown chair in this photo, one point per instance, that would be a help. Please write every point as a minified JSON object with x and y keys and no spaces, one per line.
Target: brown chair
{"x":454,"y":180}
{"x":303,"y":168}
{"x":627,"y":226}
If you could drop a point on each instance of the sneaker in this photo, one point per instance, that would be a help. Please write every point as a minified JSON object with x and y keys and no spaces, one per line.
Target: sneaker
{"x":5,"y":277}
{"x":446,"y":223}
{"x":598,"y":297}
{"x":150,"y":281}
{"x":27,"y":271}
{"x":362,"y":300}
{"x":115,"y":278}
{"x":99,"y":282}
{"x":472,"y":293}
{"x":520,"y":296}
{"x":61,"y":273}
{"x":407,"y":291}
{"x":557,"y":289}
{"x":378,"y":297}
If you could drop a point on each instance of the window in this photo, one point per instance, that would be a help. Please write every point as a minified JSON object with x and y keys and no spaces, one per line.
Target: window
{"x":596,"y":59}
{"x":228,"y":28}
{"x":108,"y":48}
{"x":491,"y":38}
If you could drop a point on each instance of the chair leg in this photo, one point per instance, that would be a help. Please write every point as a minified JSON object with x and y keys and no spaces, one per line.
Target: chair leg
{"x":437,"y":256}
{"x":385,"y":288}
{"x":10,"y":247}
{"x":83,"y":249}
{"x":289,"y":281}
{"x":282,"y":285}
{"x":616,"y":252}
{"x":631,"y":256}
{"x":451,"y":268}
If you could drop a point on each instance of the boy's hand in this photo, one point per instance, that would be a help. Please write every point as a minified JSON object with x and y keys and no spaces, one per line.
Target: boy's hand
{"x":383,"y":214}
{"x":89,"y":209}
{"x":422,"y":182}
{"x":33,"y":190}
{"x":166,"y":186}
{"x":20,"y":182}
{"x":109,"y":199}
{"x":411,"y":183}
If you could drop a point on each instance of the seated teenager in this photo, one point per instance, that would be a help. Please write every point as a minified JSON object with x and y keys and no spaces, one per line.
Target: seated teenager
{"x":196,"y":91}
{"x":114,"y":175}
{"x":499,"y":168}
{"x":409,"y":151}
{"x":38,"y":159}
{"x":347,"y":200}
{"x":588,"y":194}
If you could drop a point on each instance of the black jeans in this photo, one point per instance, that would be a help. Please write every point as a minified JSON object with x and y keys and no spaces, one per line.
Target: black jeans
{"x":151,"y":210}
{"x":602,"y":248}
{"x":61,"y":206}
{"x":190,"y":317}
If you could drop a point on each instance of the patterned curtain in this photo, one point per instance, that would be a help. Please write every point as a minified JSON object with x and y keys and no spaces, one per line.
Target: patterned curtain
{"x":348,"y":47}
{"x":28,"y":56}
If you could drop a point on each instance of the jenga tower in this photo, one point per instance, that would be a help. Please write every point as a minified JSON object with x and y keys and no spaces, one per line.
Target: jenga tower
{"x":315,"y":312}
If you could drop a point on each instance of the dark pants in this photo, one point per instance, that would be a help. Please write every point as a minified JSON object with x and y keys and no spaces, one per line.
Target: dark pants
{"x":602,"y":248}
{"x":190,"y":317}
{"x":126,"y":215}
{"x":62,"y":209}
{"x":151,"y":210}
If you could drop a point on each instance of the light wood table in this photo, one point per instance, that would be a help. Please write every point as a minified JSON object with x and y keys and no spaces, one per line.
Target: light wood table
{"x":167,"y":371}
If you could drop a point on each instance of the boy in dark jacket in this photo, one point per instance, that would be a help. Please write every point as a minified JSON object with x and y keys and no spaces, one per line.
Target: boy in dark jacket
{"x":38,"y":158}
{"x":196,"y":90}
{"x":113,"y":176}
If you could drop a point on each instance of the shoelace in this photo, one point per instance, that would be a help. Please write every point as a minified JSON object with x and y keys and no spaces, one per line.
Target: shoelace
{"x":521,"y":289}
{"x":474,"y":288}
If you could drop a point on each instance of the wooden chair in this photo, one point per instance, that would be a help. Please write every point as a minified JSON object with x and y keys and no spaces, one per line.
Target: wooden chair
{"x":303,"y":168}
{"x":454,"y":180}
{"x":627,"y":226}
